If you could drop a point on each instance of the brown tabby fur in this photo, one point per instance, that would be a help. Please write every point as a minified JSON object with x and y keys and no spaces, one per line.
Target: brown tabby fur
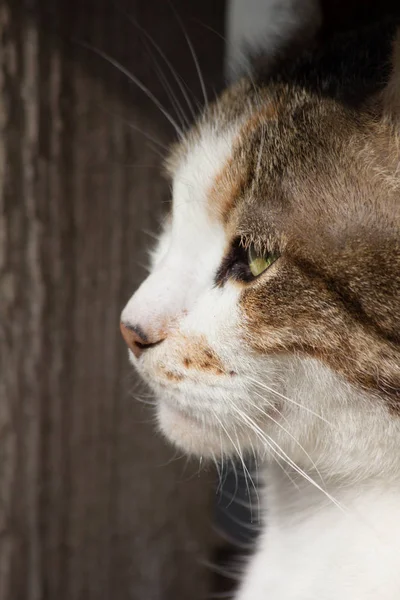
{"x":317,"y":179}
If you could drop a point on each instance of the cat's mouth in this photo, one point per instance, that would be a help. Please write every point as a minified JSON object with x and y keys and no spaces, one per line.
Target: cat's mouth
{"x":171,"y":382}
{"x":204,"y":424}
{"x":206,"y":414}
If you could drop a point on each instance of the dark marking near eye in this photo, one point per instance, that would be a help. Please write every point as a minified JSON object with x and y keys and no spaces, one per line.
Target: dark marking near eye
{"x":235,"y":265}
{"x":187,"y":362}
{"x":351,"y":304}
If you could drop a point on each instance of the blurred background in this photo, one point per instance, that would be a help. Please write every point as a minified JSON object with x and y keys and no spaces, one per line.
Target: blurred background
{"x":93,"y":503}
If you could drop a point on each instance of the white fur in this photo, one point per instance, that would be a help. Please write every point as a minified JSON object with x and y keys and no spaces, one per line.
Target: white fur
{"x":312,"y":550}
{"x":266,"y":24}
{"x":187,"y":257}
{"x":333,"y":520}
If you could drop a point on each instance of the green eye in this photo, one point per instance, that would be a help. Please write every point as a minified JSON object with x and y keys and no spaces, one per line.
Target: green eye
{"x":258,"y":263}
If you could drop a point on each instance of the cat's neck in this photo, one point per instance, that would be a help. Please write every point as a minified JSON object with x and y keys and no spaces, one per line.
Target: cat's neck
{"x":339,"y":544}
{"x":295,"y":497}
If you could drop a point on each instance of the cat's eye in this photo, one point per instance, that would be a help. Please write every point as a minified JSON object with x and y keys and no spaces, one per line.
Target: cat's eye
{"x":244,"y":263}
{"x":259,"y":262}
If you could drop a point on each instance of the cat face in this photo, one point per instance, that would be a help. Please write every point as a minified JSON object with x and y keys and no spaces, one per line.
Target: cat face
{"x":269,"y":318}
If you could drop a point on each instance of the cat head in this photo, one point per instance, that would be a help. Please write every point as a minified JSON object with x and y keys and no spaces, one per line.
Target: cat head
{"x":270,"y":319}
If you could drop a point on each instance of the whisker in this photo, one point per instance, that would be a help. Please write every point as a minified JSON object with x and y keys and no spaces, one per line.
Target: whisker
{"x":273,"y":391}
{"x":280,"y":452}
{"x":176,"y":456}
{"x":217,"y":33}
{"x":265,"y":414}
{"x":245,"y":546}
{"x":168,"y":88}
{"x":218,"y":469}
{"x":271,"y":406}
{"x":257,"y":173}
{"x":219,"y":570}
{"x":252,"y":527}
{"x":226,"y":472}
{"x":234,"y":500}
{"x":288,"y":474}
{"x":193,"y":53}
{"x":160,"y":154}
{"x":166,"y":60}
{"x":134,"y":127}
{"x":133,"y":165}
{"x":246,"y":470}
{"x":221,"y":466}
{"x":239,"y":453}
{"x":234,"y":495}
{"x":146,"y":400}
{"x":137,"y":82}
{"x":151,"y":234}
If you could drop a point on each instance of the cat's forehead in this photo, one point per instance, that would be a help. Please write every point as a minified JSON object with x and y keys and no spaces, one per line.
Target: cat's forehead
{"x":256,"y":160}
{"x":212,"y":166}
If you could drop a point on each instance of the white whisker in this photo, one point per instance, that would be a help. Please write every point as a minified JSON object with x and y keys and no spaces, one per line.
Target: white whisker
{"x":273,"y":391}
{"x":218,"y":470}
{"x":138,"y":83}
{"x":194,"y":56}
{"x":134,"y":127}
{"x":171,"y":95}
{"x":280,"y":452}
{"x":167,"y":62}
{"x":240,"y":455}
{"x":306,"y":454}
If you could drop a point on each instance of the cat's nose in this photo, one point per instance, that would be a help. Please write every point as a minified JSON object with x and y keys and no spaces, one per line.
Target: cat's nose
{"x":136,"y":339}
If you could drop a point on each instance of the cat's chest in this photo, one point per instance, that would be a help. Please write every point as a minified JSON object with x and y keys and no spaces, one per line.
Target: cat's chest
{"x":331,"y":555}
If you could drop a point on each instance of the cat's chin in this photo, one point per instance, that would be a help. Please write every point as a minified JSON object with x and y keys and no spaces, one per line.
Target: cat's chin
{"x":190,"y":433}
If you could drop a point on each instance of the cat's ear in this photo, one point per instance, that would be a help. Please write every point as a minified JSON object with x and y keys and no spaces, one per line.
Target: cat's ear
{"x":261,"y":33}
{"x":391,"y":94}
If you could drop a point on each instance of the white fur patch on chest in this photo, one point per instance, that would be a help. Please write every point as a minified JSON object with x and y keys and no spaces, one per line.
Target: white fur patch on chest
{"x":313,"y":550}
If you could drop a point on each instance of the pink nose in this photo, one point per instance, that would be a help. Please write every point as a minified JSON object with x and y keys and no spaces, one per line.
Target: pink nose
{"x":136,"y":339}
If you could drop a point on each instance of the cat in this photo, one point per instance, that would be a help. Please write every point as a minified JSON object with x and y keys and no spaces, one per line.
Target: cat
{"x":270,"y":321}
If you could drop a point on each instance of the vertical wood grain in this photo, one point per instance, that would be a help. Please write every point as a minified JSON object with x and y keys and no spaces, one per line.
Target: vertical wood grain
{"x":91,"y":505}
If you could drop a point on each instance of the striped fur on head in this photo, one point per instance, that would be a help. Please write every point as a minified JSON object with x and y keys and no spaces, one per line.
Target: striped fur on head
{"x":300,"y":160}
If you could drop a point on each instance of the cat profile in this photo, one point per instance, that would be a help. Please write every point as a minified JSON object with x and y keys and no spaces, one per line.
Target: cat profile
{"x":270,"y":321}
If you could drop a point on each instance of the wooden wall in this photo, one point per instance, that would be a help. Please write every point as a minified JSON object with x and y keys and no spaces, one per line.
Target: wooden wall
{"x":91,"y":506}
